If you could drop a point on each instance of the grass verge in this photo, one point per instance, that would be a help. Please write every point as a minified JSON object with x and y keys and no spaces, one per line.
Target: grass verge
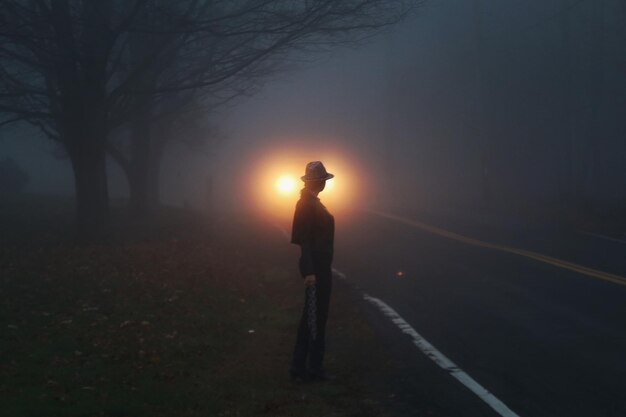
{"x":198,"y":321}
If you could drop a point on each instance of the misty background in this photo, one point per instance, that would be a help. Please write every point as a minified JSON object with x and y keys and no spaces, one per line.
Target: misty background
{"x":505,"y":103}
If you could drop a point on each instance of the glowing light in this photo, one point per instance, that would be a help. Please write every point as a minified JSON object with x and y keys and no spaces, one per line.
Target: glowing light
{"x":286,"y":184}
{"x":273,"y":183}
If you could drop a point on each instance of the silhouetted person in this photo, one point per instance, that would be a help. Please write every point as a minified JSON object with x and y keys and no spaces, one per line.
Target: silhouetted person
{"x":313,"y":229}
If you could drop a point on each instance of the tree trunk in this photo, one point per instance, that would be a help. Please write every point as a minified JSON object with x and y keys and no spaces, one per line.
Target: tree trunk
{"x":81,"y":73}
{"x":92,"y":197}
{"x":139,"y":173}
{"x":143,"y":175}
{"x":145,"y":155}
{"x":144,"y":184}
{"x":85,"y":138}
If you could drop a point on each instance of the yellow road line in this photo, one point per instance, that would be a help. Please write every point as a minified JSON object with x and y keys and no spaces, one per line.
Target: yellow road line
{"x":606,"y":276}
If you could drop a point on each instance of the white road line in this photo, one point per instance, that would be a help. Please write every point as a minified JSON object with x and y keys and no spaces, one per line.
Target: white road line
{"x":430,"y":351}
{"x":339,"y":274}
{"x":441,"y":360}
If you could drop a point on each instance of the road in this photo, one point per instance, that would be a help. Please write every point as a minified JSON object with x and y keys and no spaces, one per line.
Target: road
{"x":544,"y":340}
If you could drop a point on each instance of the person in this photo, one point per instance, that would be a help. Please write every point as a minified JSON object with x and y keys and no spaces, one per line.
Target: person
{"x":313,"y":230}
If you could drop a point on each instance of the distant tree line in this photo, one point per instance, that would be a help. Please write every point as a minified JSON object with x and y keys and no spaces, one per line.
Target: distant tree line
{"x":536,"y":114}
{"x":576,"y":99}
{"x":125,"y":77}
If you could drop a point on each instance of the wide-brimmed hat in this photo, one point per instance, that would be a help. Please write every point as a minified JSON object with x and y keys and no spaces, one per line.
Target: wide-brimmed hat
{"x":315,"y":171}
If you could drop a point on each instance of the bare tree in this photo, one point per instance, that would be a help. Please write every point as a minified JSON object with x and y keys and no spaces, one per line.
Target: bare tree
{"x":139,"y":147}
{"x":67,"y":66}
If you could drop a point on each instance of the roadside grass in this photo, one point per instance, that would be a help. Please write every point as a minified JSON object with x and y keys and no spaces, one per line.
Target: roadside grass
{"x":195,"y":318}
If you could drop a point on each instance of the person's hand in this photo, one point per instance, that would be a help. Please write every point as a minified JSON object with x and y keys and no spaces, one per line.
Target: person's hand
{"x":309,"y":280}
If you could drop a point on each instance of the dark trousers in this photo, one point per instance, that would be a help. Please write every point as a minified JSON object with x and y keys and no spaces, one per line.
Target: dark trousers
{"x":305,"y":347}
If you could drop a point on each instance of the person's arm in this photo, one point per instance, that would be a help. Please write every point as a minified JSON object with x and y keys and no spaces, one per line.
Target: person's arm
{"x":303,"y":234}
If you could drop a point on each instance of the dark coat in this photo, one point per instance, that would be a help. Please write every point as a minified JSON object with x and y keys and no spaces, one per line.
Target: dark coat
{"x":314,"y":230}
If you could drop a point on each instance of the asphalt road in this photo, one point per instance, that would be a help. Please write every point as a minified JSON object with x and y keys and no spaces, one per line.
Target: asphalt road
{"x":544,"y":340}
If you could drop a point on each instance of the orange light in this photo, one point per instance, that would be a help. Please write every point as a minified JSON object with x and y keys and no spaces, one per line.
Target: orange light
{"x":286,"y":184}
{"x":275,"y":183}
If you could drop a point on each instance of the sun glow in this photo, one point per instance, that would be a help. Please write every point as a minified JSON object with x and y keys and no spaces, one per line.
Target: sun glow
{"x":275,"y":182}
{"x":286,"y":184}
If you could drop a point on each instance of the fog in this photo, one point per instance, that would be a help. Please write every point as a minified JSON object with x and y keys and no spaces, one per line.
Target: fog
{"x":463,"y":104}
{"x":156,"y":239}
{"x":425,"y":112}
